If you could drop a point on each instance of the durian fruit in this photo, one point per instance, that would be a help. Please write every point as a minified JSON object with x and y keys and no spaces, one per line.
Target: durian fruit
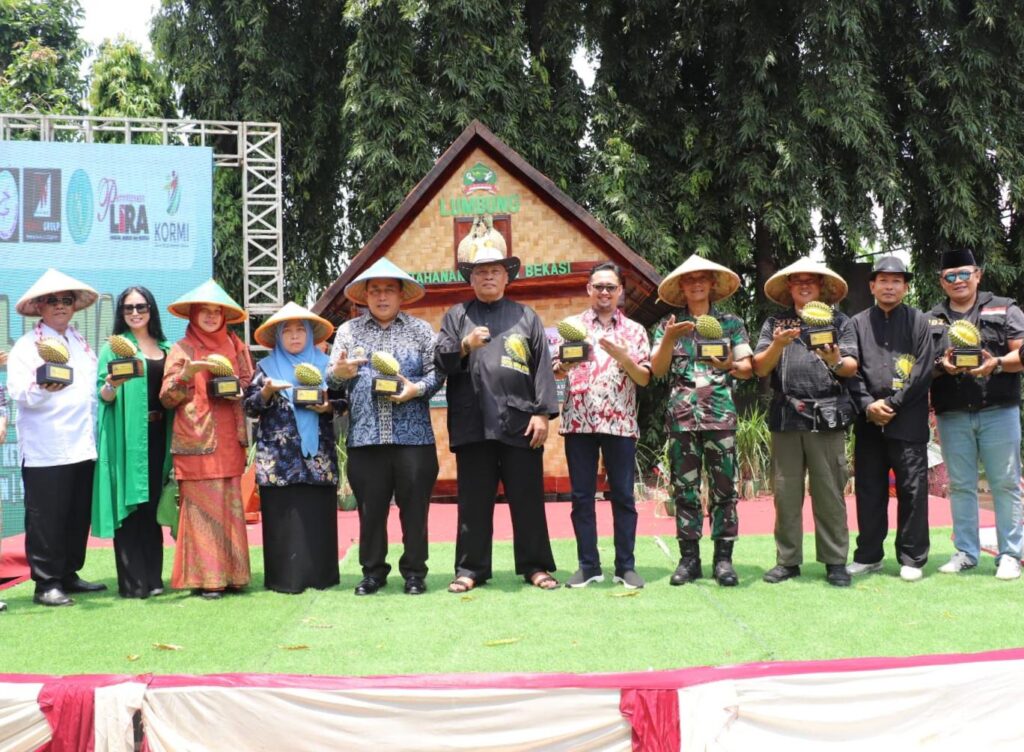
{"x":708,"y":327}
{"x":385,"y":363}
{"x":517,"y":349}
{"x":122,"y":347}
{"x":903,"y":365}
{"x":572,"y":329}
{"x":816,"y":313}
{"x":308,"y":374}
{"x":964,"y":334}
{"x":221,"y":365}
{"x":53,"y":350}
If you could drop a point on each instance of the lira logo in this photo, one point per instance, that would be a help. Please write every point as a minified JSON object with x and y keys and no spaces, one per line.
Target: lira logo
{"x":125,"y":211}
{"x":79,"y":206}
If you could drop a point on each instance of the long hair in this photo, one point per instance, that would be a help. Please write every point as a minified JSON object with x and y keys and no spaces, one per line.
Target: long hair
{"x":155,"y":329}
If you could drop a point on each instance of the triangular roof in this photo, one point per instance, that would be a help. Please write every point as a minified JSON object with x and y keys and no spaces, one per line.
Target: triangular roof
{"x":642,"y":299}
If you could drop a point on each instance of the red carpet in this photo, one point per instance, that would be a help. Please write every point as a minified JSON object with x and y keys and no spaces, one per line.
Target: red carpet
{"x":757,"y":517}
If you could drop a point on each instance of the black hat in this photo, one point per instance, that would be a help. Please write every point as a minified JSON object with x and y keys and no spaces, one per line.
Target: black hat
{"x":955,"y":259}
{"x":890,"y":265}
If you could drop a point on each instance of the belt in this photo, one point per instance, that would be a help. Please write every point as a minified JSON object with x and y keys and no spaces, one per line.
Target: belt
{"x":155,"y":415}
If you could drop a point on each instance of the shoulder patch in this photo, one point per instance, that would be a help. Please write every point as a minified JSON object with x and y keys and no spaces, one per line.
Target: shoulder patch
{"x":996,"y":311}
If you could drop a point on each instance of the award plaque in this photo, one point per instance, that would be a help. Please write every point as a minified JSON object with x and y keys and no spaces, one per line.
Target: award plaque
{"x":709,"y":342}
{"x":55,"y":368}
{"x":817,"y":317}
{"x":54,"y":373}
{"x":307,"y":393}
{"x":821,"y":336}
{"x":386,"y":384}
{"x":224,"y":386}
{"x":124,"y":368}
{"x":574,"y":348}
{"x":966,"y":341}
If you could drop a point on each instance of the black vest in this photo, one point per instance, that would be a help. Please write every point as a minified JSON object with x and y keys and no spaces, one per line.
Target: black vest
{"x":967,"y":392}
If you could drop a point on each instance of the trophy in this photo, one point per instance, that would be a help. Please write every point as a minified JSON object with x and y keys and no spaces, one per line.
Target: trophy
{"x":387,"y":366}
{"x":125,"y":365}
{"x":54,"y":369}
{"x":575,"y":348}
{"x":709,"y":342}
{"x":818,"y":318}
{"x":308,"y":393}
{"x":224,"y":382}
{"x":902,"y":367}
{"x":966,"y":341}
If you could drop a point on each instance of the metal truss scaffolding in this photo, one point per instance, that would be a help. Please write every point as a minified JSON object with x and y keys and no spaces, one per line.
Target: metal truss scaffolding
{"x":253,"y":147}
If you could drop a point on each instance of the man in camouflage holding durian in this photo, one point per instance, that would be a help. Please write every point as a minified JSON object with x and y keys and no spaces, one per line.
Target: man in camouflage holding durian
{"x":701,"y":420}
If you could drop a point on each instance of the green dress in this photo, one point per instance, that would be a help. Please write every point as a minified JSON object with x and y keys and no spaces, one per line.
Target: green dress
{"x":121,"y":482}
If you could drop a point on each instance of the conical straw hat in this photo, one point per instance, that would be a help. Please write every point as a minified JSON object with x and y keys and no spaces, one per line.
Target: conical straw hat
{"x":833,"y":288}
{"x":54,"y":281}
{"x":726,"y":281}
{"x":384,"y":269}
{"x":208,"y":293}
{"x":266,"y":333}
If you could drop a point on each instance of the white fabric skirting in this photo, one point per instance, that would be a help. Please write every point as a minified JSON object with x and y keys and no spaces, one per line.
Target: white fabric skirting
{"x":963,"y":706}
{"x":22,"y":724}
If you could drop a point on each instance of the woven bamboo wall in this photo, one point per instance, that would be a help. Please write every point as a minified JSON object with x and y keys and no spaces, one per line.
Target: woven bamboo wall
{"x":539,"y":234}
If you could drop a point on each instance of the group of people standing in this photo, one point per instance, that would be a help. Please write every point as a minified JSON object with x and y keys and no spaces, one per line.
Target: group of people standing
{"x":102,"y":449}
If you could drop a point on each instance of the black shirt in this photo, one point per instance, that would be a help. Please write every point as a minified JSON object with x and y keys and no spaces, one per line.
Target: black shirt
{"x":495,"y":390}
{"x":881,"y":339}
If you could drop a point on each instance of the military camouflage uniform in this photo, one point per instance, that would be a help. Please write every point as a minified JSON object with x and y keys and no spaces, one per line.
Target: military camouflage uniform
{"x":701,"y":423}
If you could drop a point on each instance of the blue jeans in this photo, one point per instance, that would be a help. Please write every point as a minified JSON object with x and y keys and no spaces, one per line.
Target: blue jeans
{"x":993,"y":435}
{"x":619,"y":453}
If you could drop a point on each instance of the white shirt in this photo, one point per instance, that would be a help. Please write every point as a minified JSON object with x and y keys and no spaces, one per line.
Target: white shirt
{"x":54,"y":428}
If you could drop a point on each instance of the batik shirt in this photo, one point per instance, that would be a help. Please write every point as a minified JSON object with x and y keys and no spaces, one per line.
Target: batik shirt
{"x":375,"y":419}
{"x":701,"y":395}
{"x":601,"y":396}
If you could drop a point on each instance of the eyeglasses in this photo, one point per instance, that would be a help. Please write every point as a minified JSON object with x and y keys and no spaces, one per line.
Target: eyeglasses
{"x":137,"y":307}
{"x":605,"y":288}
{"x":67,"y":300}
{"x":962,"y":276}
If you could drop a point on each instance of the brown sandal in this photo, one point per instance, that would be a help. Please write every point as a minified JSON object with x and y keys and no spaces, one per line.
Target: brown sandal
{"x":461,"y":585}
{"x":543,"y":580}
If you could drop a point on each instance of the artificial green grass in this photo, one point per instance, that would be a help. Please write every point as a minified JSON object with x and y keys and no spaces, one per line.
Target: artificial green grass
{"x":508,"y":626}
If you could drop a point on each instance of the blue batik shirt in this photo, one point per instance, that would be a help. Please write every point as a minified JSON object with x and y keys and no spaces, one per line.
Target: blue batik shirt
{"x":375,"y":420}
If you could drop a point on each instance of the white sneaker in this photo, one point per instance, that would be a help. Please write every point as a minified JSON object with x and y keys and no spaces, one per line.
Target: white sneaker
{"x":1008,"y":569}
{"x":911,"y":574}
{"x":855,"y":568}
{"x":958,"y":562}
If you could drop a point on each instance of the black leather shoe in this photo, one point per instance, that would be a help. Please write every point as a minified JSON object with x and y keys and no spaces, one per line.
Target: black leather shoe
{"x":369,"y":586}
{"x":415,"y":586}
{"x":53,"y":597}
{"x":211,"y":595}
{"x":837,"y":575}
{"x":780,"y":573}
{"x":78,"y":585}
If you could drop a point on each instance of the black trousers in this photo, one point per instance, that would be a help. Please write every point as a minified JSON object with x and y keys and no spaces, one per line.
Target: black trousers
{"x":376,"y":473}
{"x":58,"y":508}
{"x":874,"y":455}
{"x":521,"y":471}
{"x":139,"y":552}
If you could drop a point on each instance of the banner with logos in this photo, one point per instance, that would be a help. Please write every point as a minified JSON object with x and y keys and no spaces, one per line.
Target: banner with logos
{"x":111,"y":215}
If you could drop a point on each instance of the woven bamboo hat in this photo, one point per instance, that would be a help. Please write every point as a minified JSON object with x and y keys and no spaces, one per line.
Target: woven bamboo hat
{"x":266,"y":333}
{"x":726,"y":281}
{"x":833,"y":287}
{"x":208,"y":293}
{"x":54,"y":281}
{"x":384,"y":269}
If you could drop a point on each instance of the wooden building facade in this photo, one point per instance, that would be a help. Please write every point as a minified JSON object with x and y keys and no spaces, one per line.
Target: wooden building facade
{"x":480,"y":189}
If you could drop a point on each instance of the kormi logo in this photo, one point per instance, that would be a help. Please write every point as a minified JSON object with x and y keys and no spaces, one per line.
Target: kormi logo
{"x":168,"y":233}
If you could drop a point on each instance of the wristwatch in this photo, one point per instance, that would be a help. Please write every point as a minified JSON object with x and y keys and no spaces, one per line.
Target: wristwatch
{"x":834,"y":368}
{"x":999,"y":367}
